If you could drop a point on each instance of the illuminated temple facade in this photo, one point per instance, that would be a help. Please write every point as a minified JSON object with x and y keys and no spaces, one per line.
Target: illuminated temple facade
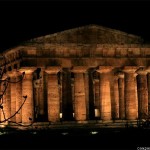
{"x":81,"y":74}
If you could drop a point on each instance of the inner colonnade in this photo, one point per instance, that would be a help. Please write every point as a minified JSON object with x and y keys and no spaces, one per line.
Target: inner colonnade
{"x":78,"y":93}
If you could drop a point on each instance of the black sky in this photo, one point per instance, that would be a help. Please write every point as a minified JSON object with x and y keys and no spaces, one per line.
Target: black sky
{"x":23,"y":19}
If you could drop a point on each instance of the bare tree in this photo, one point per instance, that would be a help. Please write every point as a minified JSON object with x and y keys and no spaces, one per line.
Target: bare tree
{"x":5,"y":80}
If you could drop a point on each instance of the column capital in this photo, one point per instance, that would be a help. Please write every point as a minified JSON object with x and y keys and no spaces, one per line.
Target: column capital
{"x":96,"y":80}
{"x":120,"y":75}
{"x":4,"y":77}
{"x":116,"y":77}
{"x":141,"y":71}
{"x":130,"y":69}
{"x":27,"y":70}
{"x":148,"y":69}
{"x":52,"y":69}
{"x":79,"y":69}
{"x":14,"y":73}
{"x":104,"y":69}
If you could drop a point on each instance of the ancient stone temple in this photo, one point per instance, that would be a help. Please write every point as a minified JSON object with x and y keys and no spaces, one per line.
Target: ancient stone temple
{"x":82,"y":74}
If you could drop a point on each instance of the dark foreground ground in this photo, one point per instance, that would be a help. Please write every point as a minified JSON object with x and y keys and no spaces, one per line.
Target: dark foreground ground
{"x":75,"y":138}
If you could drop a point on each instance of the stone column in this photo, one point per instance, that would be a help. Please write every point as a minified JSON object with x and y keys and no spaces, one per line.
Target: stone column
{"x":130,"y":92}
{"x":142,"y":93}
{"x":86,"y":83}
{"x":80,"y":100}
{"x":5,"y":114}
{"x":116,"y":98}
{"x":53,"y":94}
{"x":136,"y":93}
{"x":19,"y":97}
{"x":105,"y":98}
{"x":0,"y":99}
{"x":121,"y":95}
{"x":148,"y":85}
{"x":12,"y":76}
{"x":27,"y":89}
{"x":3,"y":99}
{"x":16,"y":94}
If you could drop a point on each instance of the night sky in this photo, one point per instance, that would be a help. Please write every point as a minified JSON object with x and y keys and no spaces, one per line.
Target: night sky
{"x":22,"y":20}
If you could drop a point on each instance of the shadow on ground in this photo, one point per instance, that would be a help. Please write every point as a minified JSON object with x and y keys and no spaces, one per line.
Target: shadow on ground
{"x":75,"y":138}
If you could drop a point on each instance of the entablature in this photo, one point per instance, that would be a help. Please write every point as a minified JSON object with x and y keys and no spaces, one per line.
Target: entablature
{"x":86,"y":50}
{"x":86,"y":54}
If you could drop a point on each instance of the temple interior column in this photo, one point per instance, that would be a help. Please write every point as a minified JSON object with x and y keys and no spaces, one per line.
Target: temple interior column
{"x":91,"y":95}
{"x":80,"y":99}
{"x":39,"y":95}
{"x":97,"y":105}
{"x":105,"y":98}
{"x":130,"y":93}
{"x":53,"y":96}
{"x":121,"y":95}
{"x":67,"y":103}
{"x":73,"y":96}
{"x":36,"y":103}
{"x":27,"y":89}
{"x":115,"y":102}
{"x":45,"y":95}
{"x":142,"y":93}
{"x":41,"y":103}
{"x":86,"y":83}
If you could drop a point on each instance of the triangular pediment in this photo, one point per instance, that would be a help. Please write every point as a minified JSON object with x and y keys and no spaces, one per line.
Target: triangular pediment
{"x":89,"y":34}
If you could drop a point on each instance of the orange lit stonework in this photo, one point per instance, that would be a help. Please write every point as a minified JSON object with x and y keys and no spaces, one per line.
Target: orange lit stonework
{"x":27,"y":89}
{"x":142,"y":93}
{"x":130,"y":92}
{"x":101,"y":74}
{"x":79,"y":90}
{"x":105,"y":98}
{"x":121,"y":95}
{"x":53,"y":94}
